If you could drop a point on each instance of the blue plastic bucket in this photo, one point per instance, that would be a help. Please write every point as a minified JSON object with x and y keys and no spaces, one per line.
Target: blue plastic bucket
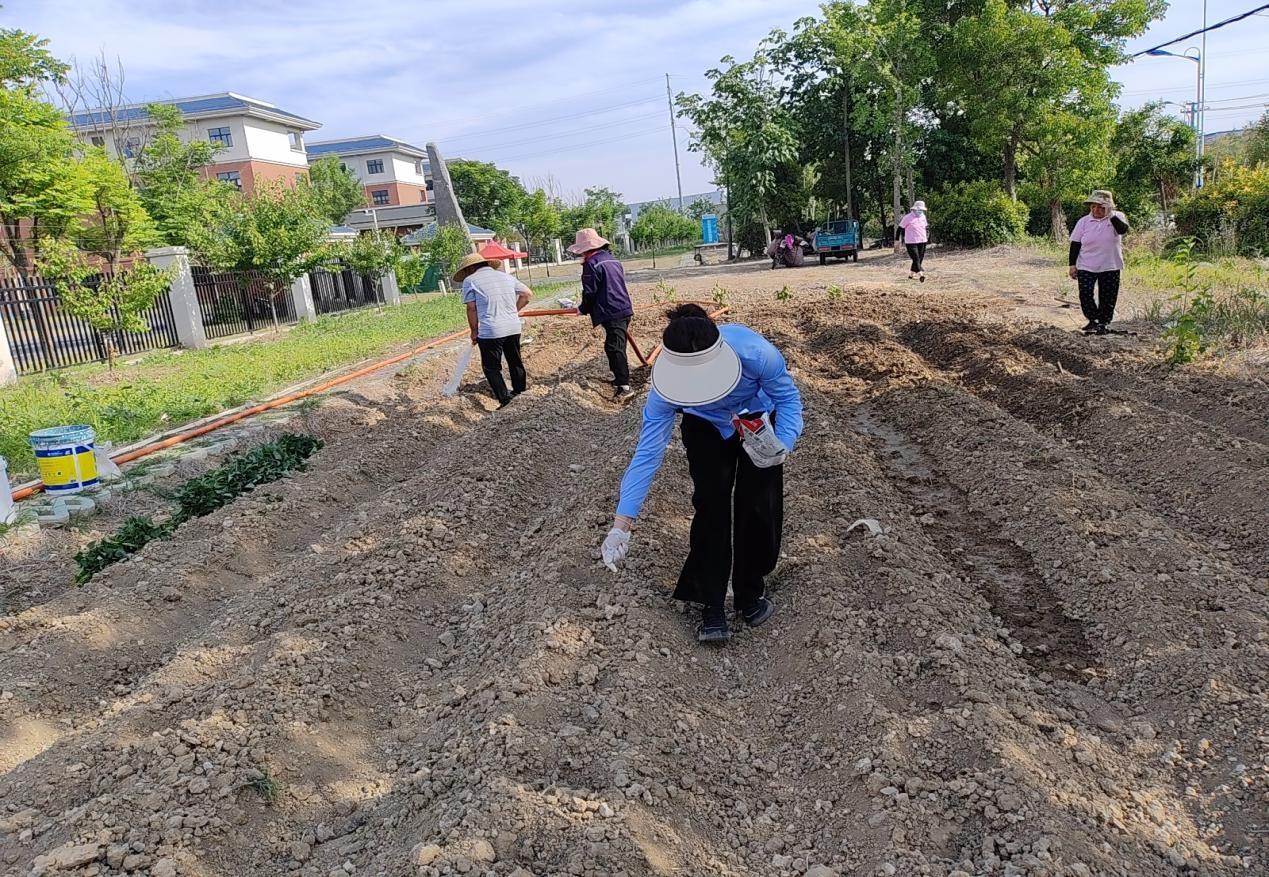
{"x":65,"y":457}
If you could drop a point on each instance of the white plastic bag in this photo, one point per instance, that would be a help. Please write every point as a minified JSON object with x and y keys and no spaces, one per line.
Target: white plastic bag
{"x":106,"y":468}
{"x":464,"y":360}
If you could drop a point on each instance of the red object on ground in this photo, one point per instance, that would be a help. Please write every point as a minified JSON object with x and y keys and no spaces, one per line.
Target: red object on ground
{"x":495,"y":250}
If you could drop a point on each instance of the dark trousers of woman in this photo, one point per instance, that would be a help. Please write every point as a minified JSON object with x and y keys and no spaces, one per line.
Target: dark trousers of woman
{"x":1102,"y":307}
{"x":916,"y":252}
{"x":615,"y":348}
{"x":491,"y":353}
{"x":737,"y":504}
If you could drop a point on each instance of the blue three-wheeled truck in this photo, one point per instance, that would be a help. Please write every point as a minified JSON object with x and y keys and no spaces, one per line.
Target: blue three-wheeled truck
{"x":839,"y":239}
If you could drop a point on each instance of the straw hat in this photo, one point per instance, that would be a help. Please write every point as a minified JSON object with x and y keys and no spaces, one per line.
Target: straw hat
{"x":698,"y":378}
{"x":918,"y":205}
{"x":587,"y":239}
{"x":1102,"y":197}
{"x":471,"y":260}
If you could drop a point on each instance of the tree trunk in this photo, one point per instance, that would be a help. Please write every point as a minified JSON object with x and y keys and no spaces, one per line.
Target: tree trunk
{"x":1010,"y":168}
{"x":766,"y":224}
{"x":911,"y":187}
{"x":1057,"y":221}
{"x":897,"y":170}
{"x":850,"y":201}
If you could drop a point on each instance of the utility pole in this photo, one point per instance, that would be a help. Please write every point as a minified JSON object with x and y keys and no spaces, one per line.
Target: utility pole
{"x":850,"y":203}
{"x":1201,"y":109}
{"x":674,"y":137}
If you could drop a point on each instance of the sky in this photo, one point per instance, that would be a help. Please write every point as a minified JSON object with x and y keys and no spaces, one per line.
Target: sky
{"x":566,"y":93}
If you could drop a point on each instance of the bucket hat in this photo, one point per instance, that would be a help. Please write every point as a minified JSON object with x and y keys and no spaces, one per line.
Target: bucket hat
{"x":697,"y":378}
{"x":918,"y":205}
{"x":587,"y":239}
{"x":1102,"y":197}
{"x":469,"y":261}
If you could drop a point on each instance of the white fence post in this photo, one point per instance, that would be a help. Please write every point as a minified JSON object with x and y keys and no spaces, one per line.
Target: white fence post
{"x":559,"y":250}
{"x":8,"y":369}
{"x":388,"y":285}
{"x":185,"y":309}
{"x":302,"y":298}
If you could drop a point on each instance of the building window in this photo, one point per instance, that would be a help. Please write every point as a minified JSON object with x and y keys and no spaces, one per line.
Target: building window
{"x":131,"y":147}
{"x":98,"y":140}
{"x":379,"y":196}
{"x":342,"y":166}
{"x":418,"y":167}
{"x":221,"y":136}
{"x":429,"y":185}
{"x":374,"y":166}
{"x":232,"y":177}
{"x":297,"y":141}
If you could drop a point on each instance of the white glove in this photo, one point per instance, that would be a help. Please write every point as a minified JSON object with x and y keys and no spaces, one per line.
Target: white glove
{"x":766,"y":461}
{"x":567,"y":303}
{"x":616,"y":545}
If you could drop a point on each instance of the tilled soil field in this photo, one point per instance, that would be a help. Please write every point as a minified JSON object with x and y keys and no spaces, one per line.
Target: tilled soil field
{"x":408,"y":660}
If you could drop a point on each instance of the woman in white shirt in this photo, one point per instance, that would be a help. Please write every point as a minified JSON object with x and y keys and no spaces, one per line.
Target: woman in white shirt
{"x":1096,"y":258}
{"x":494,"y":300}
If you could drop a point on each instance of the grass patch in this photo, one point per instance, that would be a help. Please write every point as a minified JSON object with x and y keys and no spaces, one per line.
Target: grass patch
{"x":201,"y":496}
{"x":167,"y":389}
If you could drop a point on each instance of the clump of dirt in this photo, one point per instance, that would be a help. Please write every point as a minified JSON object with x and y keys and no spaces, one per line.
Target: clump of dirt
{"x":409,"y":661}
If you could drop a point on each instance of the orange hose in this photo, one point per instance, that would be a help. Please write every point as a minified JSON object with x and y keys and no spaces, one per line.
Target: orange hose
{"x":34,"y":487}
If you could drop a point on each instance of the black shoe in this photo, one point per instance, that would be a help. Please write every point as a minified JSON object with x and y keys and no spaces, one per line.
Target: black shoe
{"x":1103,"y":328}
{"x":505,"y":402}
{"x":713,"y":627}
{"x":921,"y":277}
{"x":1091,"y":327}
{"x":759,"y":612}
{"x":623,"y":392}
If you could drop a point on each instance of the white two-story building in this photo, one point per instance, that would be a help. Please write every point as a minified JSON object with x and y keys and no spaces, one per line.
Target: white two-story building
{"x":258,"y":141}
{"x":392,"y":171}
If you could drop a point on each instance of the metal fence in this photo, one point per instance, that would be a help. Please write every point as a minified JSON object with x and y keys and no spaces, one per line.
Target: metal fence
{"x":43,"y":335}
{"x":236,"y":302}
{"x":346,"y":290}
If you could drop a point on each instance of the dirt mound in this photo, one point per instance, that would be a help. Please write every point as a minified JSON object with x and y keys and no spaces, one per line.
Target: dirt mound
{"x":408,"y":660}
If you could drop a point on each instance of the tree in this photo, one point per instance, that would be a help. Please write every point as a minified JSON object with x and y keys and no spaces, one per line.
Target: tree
{"x":659,"y":224}
{"x":111,"y":302}
{"x":540,"y":221}
{"x":488,"y":195}
{"x":26,"y":63}
{"x":1154,"y":160}
{"x":336,"y":189}
{"x":1257,"y":140}
{"x":372,"y":254}
{"x":446,"y":249}
{"x":701,"y":206}
{"x":168,"y":174}
{"x":279,"y":232}
{"x":116,"y":224}
{"x":601,"y":210}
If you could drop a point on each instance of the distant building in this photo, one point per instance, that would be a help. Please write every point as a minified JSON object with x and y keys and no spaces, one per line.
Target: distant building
{"x":392,"y":171}
{"x":259,"y":141}
{"x":716,"y":197}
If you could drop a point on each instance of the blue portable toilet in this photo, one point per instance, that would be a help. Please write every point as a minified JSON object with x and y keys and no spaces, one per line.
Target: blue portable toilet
{"x":709,"y":228}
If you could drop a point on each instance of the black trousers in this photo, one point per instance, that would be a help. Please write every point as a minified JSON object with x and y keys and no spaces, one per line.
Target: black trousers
{"x":491,"y":353}
{"x":736,"y":504}
{"x":615,"y":348}
{"x":916,"y":252}
{"x":1107,"y":283}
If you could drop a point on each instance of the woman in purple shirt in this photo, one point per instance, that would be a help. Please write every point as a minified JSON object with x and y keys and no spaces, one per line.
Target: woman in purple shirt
{"x":1097,"y":257}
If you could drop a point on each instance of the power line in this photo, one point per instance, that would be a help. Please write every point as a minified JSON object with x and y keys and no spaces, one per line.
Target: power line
{"x":540,"y":122}
{"x":661,"y":130}
{"x":1191,"y":88}
{"x":1202,"y":30}
{"x":569,"y":133}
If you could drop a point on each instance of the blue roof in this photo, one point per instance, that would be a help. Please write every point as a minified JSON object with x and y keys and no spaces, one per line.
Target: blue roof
{"x":187,"y":106}
{"x":358,"y":144}
{"x":427,"y":232}
{"x":342,"y":229}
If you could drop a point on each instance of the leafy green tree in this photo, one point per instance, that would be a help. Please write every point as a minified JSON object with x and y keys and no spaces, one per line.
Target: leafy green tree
{"x":1257,"y":140}
{"x":701,"y":206}
{"x":335,"y":188}
{"x":26,"y":63}
{"x":488,"y":195}
{"x":540,"y":221}
{"x":110,"y":302}
{"x":116,"y":225}
{"x":1154,"y":161}
{"x":169,"y":175}
{"x":446,"y":249}
{"x":372,"y":254}
{"x":659,"y":224}
{"x":279,"y":232}
{"x":601,"y":210}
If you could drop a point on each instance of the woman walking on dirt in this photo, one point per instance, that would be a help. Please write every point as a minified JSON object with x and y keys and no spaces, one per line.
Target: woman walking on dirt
{"x":916,"y":234}
{"x":494,"y":300}
{"x":742,"y":415}
{"x":1097,"y":257}
{"x":606,"y":299}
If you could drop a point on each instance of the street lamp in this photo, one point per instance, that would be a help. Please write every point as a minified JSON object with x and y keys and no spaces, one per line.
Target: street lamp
{"x":1198,"y":119}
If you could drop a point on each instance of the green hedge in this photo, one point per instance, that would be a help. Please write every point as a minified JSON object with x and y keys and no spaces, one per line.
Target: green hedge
{"x":976,"y":214}
{"x":1230,"y":215}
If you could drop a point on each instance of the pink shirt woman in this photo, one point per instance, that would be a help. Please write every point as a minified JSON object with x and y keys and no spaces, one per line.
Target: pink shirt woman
{"x":916,"y":234}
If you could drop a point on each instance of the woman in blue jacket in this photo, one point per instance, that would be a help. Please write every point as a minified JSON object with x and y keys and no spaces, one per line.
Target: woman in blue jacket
{"x":605,"y":298}
{"x":711,"y":375}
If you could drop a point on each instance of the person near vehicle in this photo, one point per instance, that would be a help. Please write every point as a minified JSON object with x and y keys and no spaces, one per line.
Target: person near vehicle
{"x":916,"y":234}
{"x":607,"y":301}
{"x":1097,"y":257}
{"x":494,"y":300}
{"x":713,"y":375}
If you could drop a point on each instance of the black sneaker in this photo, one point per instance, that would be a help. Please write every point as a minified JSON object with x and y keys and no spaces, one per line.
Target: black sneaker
{"x":1091,"y":327}
{"x":713,"y":627}
{"x":759,"y":612}
{"x":623,"y":392}
{"x":507,"y":401}
{"x":1103,"y":328}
